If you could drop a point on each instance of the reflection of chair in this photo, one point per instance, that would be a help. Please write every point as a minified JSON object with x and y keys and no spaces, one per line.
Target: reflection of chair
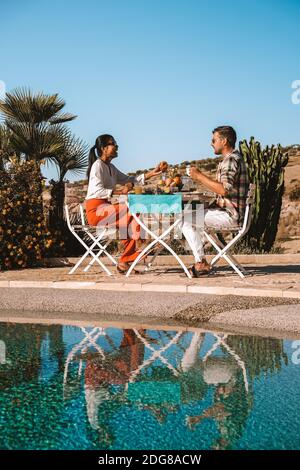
{"x":150,"y":390}
{"x":99,"y":239}
{"x":222,"y":250}
{"x":156,"y":354}
{"x":223,"y":374}
{"x":89,"y":340}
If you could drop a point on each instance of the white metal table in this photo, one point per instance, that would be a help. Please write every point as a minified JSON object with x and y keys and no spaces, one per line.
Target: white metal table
{"x":157,"y":206}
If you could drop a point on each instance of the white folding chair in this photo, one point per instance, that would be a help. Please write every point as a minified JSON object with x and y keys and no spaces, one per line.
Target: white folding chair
{"x":100,"y":239}
{"x":152,"y":205}
{"x":211,"y":234}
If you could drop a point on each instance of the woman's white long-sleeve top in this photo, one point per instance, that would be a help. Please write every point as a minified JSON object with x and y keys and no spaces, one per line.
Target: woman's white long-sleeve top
{"x":104,"y":177}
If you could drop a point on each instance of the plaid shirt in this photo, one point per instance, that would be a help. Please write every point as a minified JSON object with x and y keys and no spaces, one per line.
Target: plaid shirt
{"x":233,"y":174}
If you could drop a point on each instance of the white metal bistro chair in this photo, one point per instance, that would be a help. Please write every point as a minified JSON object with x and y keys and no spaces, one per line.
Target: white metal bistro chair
{"x":156,"y":205}
{"x":222,"y":250}
{"x":99,"y":238}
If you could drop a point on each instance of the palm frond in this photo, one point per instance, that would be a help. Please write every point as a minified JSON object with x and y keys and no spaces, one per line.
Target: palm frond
{"x":36,"y":142}
{"x":62,"y":118}
{"x":74,"y":156}
{"x":36,"y":127}
{"x":23,"y":106}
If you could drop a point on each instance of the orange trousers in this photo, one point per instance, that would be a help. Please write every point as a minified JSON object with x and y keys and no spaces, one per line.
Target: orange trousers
{"x":104,"y":214}
{"x":118,"y":369}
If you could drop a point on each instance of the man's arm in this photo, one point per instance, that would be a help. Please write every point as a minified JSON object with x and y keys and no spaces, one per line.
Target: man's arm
{"x":209,"y":183}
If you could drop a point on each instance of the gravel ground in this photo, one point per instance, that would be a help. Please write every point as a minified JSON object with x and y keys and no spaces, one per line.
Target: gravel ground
{"x":217,"y":305}
{"x":185,"y":309}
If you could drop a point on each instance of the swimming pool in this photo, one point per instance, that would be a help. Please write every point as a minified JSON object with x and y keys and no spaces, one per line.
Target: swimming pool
{"x":93,"y":387}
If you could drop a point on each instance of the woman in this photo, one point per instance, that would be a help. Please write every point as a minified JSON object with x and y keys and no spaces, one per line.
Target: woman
{"x":103,"y":176}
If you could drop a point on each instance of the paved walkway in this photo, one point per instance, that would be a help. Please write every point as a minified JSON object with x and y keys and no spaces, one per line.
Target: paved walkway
{"x":266,"y":280}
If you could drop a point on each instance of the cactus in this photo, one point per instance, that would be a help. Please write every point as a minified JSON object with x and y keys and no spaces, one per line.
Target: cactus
{"x":266,"y":170}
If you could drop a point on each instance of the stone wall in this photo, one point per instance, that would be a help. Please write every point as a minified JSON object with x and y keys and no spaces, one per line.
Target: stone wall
{"x":75,"y":193}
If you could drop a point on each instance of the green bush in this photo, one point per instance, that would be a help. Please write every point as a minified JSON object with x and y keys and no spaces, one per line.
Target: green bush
{"x":24,"y":238}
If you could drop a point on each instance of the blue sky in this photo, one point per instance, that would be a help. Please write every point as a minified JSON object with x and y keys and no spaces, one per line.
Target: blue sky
{"x":159,"y":74}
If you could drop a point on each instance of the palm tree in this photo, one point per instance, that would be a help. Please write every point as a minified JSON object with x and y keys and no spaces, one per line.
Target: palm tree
{"x":37,"y":131}
{"x":7,"y":150}
{"x":72,"y":157}
{"x":35,"y":122}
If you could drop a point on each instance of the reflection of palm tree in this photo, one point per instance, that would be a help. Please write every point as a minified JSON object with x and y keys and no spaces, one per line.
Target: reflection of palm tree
{"x":57,"y":348}
{"x":23,"y":344}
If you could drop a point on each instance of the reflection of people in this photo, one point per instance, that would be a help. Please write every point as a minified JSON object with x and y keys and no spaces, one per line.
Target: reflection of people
{"x":231,"y":189}
{"x":231,"y":404}
{"x":103,"y":177}
{"x":193,"y":387}
{"x":105,"y":383}
{"x":161,"y":411}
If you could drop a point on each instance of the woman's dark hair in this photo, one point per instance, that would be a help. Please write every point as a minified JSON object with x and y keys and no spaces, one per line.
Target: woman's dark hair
{"x":101,"y":141}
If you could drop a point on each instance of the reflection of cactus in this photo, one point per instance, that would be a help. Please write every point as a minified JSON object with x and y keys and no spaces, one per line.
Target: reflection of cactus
{"x":266,"y":170}
{"x":261,"y":355}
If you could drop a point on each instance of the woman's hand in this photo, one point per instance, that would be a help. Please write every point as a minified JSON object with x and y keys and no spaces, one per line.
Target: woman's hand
{"x":127,"y":187}
{"x":123,"y":190}
{"x":160,"y":167}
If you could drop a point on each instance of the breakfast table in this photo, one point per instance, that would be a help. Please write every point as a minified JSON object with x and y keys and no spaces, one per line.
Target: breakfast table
{"x":160,"y":217}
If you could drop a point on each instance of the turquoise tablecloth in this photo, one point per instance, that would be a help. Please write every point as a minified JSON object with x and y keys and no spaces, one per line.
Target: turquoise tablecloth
{"x":155,"y":203}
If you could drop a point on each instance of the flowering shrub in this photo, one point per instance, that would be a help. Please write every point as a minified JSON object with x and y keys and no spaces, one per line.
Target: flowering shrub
{"x":24,"y":238}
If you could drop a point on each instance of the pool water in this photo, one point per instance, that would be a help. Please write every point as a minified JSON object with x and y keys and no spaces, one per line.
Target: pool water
{"x":71,"y":387}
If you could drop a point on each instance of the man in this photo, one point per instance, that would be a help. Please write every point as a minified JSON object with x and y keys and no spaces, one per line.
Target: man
{"x":231,"y":187}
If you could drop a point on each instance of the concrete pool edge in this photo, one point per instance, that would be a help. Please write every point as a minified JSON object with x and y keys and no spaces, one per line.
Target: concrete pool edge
{"x":149,"y":324}
{"x":153,"y":287}
{"x":185,"y":310}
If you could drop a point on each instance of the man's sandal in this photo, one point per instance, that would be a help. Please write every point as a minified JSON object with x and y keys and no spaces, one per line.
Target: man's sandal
{"x":199,"y":272}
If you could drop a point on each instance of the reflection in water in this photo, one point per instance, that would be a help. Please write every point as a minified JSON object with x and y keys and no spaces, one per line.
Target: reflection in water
{"x":104,"y":388}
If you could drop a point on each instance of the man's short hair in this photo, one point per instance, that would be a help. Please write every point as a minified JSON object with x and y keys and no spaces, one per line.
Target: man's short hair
{"x":227,"y":132}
